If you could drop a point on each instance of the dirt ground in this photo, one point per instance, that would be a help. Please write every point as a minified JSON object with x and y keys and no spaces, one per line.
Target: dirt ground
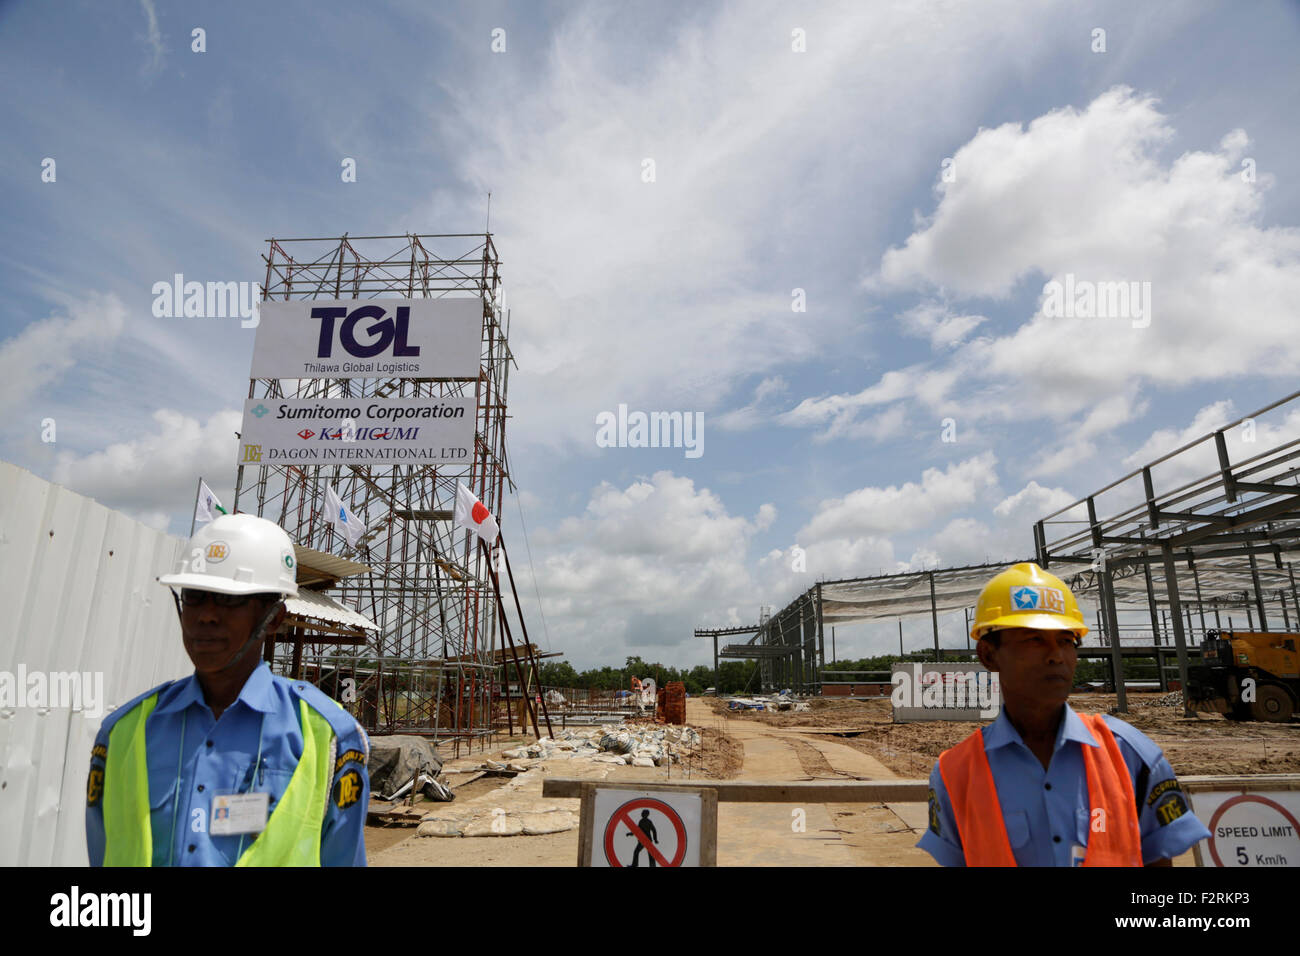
{"x":835,"y":739}
{"x":1205,"y":744}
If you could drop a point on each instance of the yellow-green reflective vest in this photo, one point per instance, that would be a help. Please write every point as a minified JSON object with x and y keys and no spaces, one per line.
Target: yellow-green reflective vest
{"x":292,"y":834}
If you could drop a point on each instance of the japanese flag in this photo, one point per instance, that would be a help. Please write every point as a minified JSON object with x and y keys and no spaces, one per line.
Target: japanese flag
{"x":471,"y":514}
{"x":344,"y":521}
{"x":208,"y":507}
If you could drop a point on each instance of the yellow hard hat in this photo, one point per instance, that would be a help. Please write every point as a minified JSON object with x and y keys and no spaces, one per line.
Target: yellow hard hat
{"x":1024,"y":595}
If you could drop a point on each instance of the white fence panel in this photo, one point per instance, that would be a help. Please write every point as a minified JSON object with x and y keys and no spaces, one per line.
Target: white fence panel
{"x":78,"y":593}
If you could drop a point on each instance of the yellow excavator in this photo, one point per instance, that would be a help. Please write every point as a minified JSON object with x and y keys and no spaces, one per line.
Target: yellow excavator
{"x":1247,"y":675}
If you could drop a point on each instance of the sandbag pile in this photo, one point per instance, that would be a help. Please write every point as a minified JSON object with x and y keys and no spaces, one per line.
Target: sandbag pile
{"x":638,"y":746}
{"x":647,"y":746}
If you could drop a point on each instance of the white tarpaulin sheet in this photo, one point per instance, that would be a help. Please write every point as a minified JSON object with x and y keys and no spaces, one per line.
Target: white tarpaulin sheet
{"x":900,"y":595}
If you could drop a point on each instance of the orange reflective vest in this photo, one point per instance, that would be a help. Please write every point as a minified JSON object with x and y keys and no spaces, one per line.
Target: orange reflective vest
{"x":969,"y":782}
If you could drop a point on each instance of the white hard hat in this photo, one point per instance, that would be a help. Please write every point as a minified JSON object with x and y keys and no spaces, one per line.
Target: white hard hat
{"x":238,"y":554}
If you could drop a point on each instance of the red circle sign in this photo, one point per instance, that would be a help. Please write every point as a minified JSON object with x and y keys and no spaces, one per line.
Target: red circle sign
{"x":1245,"y":798}
{"x":622,"y":817}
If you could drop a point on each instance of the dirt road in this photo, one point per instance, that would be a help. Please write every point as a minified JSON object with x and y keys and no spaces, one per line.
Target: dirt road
{"x":835,"y":740}
{"x":760,"y":834}
{"x":748,"y":834}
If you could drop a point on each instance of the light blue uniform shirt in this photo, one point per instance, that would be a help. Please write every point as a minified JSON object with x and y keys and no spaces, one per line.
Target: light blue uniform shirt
{"x":192,"y":757}
{"x":1047,"y":813}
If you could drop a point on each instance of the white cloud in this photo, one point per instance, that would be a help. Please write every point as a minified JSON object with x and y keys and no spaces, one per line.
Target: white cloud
{"x":1035,"y":501}
{"x":841,"y":411}
{"x":153,"y":477}
{"x":154,"y":36}
{"x":874,"y":511}
{"x":964,"y":541}
{"x":1164,"y":440}
{"x":944,"y":328}
{"x":1243,"y":441}
{"x":683,"y":284}
{"x":1084,"y":193}
{"x":757,"y":412}
{"x":647,"y":558}
{"x":42,"y":353}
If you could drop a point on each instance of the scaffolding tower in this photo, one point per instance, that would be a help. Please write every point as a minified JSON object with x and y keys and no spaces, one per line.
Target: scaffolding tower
{"x":432,"y":667}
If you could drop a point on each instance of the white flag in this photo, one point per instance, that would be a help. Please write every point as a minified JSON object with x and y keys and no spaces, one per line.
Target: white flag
{"x":344,"y":521}
{"x":208,"y":507}
{"x":471,"y":514}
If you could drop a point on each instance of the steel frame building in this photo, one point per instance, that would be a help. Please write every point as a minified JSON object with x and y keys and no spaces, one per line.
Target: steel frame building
{"x":1225,"y":540}
{"x":431,"y":668}
{"x":1186,"y":555}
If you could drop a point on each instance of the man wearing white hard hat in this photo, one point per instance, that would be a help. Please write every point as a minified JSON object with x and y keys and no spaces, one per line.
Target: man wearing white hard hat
{"x":233,"y":765}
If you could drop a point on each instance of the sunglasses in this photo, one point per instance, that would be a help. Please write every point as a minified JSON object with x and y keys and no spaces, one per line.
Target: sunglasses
{"x":191,"y":597}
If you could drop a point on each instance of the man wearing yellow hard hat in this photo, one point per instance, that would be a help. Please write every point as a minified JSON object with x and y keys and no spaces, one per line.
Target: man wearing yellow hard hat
{"x":1043,"y":785}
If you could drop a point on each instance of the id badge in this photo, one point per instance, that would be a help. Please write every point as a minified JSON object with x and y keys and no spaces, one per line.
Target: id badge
{"x":1077,"y":853}
{"x":236,"y":813}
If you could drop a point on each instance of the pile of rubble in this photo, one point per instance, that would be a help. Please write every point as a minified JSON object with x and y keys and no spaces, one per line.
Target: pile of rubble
{"x":782,"y":701}
{"x":639,"y":746}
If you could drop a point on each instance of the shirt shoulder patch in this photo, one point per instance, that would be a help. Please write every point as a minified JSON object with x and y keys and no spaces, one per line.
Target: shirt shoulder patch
{"x":347,"y":790}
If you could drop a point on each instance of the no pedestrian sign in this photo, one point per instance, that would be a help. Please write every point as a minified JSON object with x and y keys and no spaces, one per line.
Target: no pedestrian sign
{"x":641,"y":827}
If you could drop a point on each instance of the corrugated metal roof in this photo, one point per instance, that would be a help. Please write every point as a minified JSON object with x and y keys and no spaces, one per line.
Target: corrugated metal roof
{"x":322,"y":607}
{"x":329,"y":565}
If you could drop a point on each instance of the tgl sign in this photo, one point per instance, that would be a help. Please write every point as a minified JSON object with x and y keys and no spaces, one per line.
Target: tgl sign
{"x":381,"y":331}
{"x":370,"y":338}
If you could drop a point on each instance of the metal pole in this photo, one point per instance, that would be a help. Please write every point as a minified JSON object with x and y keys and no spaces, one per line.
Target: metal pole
{"x":1112,"y":626}
{"x":717,"y":676}
{"x":514,"y":654}
{"x":1196,"y":579}
{"x":821,"y":640}
{"x":1295,"y":597}
{"x":900,"y":637}
{"x":1175,"y":611}
{"x":1259,"y":596}
{"x":528,"y":645}
{"x":195,"y":513}
{"x":832,"y":645}
{"x":934,"y":618}
{"x":1151,"y":603}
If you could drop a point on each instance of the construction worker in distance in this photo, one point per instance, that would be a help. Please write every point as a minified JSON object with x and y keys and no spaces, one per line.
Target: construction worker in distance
{"x":231,"y":766}
{"x":1043,"y":785}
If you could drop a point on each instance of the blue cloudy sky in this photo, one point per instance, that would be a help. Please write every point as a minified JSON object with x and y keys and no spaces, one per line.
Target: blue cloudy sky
{"x":776,"y":169}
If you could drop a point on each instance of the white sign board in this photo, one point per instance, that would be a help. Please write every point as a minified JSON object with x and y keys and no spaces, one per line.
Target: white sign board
{"x":1249,"y":829}
{"x":940,"y":691}
{"x":369,"y":338}
{"x":646,"y":828}
{"x":325,"y":431}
